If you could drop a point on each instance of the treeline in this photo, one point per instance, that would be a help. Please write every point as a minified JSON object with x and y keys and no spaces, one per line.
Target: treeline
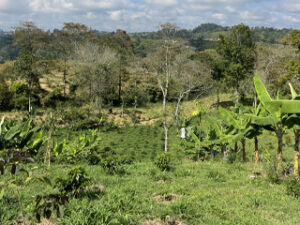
{"x":202,"y":37}
{"x":118,"y":69}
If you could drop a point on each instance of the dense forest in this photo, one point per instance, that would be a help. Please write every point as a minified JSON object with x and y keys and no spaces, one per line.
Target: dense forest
{"x":168,"y":127}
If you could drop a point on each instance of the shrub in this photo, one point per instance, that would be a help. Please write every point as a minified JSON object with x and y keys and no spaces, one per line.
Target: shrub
{"x":75,"y":182}
{"x":52,"y":98}
{"x":293,"y":186}
{"x":114,"y":164}
{"x":20,"y":93}
{"x":273,"y":175}
{"x":163,"y":162}
{"x":5,"y":97}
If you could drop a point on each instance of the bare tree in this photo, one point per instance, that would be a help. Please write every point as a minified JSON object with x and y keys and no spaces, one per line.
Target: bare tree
{"x":161,"y":63}
{"x":93,"y":64}
{"x":189,"y":76}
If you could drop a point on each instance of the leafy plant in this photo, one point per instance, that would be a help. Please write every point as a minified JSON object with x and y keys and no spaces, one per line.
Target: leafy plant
{"x":75,"y":182}
{"x":163,"y":161}
{"x":293,"y":186}
{"x":47,"y":205}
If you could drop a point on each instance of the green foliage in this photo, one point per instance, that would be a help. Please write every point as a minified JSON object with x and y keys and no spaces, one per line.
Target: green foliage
{"x":19,"y":143}
{"x":6,"y":97}
{"x":52,"y":98}
{"x":19,"y":90}
{"x":163,"y":161}
{"x":113,"y":164}
{"x":272,"y":174}
{"x":238,"y":50}
{"x":47,"y":205}
{"x":75,"y":182}
{"x":293,"y":186}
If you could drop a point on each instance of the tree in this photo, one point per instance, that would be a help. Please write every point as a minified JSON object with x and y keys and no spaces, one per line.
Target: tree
{"x":189,"y":77}
{"x":238,"y":50}
{"x":293,"y":39}
{"x":66,"y":41}
{"x":31,"y":39}
{"x":279,"y":115}
{"x":161,"y":64}
{"x":94,"y":65}
{"x":216,"y":66}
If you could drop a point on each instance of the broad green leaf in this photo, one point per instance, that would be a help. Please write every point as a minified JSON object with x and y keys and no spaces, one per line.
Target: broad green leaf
{"x":26,"y":128}
{"x":285,"y":106}
{"x":261,"y":91}
{"x":229,"y":118}
{"x":214,"y":125}
{"x":293,"y":92}
{"x":12,"y":132}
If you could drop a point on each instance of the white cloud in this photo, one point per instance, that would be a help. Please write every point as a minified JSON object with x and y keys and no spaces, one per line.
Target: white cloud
{"x":250,"y":15}
{"x":291,"y":19}
{"x":162,"y":2}
{"x":230,"y":9}
{"x":90,"y":15}
{"x":51,"y":6}
{"x":219,"y":16}
{"x":145,"y":15}
{"x":115,"y":15}
{"x":139,"y":15}
{"x":4,"y":4}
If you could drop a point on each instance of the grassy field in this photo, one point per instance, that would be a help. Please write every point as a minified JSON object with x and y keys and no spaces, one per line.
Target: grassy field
{"x":192,"y":192}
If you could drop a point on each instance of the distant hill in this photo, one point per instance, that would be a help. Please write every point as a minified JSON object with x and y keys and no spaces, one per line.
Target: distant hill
{"x":201,"y":37}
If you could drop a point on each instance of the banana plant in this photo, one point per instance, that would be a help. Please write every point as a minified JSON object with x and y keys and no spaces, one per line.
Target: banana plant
{"x":241,"y":126}
{"x":19,"y":142}
{"x":279,"y":112}
{"x":294,"y":124}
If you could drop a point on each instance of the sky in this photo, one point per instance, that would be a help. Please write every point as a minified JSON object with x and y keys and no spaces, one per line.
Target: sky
{"x":146,"y":15}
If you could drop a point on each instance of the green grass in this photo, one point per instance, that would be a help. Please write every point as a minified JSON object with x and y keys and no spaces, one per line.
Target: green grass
{"x":207,"y":192}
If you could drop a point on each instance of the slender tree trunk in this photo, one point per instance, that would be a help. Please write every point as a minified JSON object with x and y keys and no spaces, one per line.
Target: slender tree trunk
{"x":279,"y":134}
{"x":296,"y":155}
{"x":236,"y":147}
{"x":236,"y":93}
{"x":218,"y":96}
{"x":29,"y":96}
{"x":64,"y":78}
{"x":165,"y":122}
{"x":256,"y":149}
{"x":135,"y":99}
{"x":122,"y":112}
{"x":120,"y":80}
{"x":244,"y":149}
{"x":177,"y":106}
{"x":48,"y":152}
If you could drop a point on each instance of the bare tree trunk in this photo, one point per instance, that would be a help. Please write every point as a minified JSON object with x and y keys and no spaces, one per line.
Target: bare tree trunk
{"x":296,"y":155}
{"x":135,"y":99}
{"x":177,"y":106}
{"x":218,"y":96}
{"x":279,"y":134}
{"x":236,"y":93}
{"x":122,"y":112}
{"x":256,"y":149}
{"x":29,"y":96}
{"x":120,"y":80}
{"x":48,"y":152}
{"x":64,"y":78}
{"x":165,"y":122}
